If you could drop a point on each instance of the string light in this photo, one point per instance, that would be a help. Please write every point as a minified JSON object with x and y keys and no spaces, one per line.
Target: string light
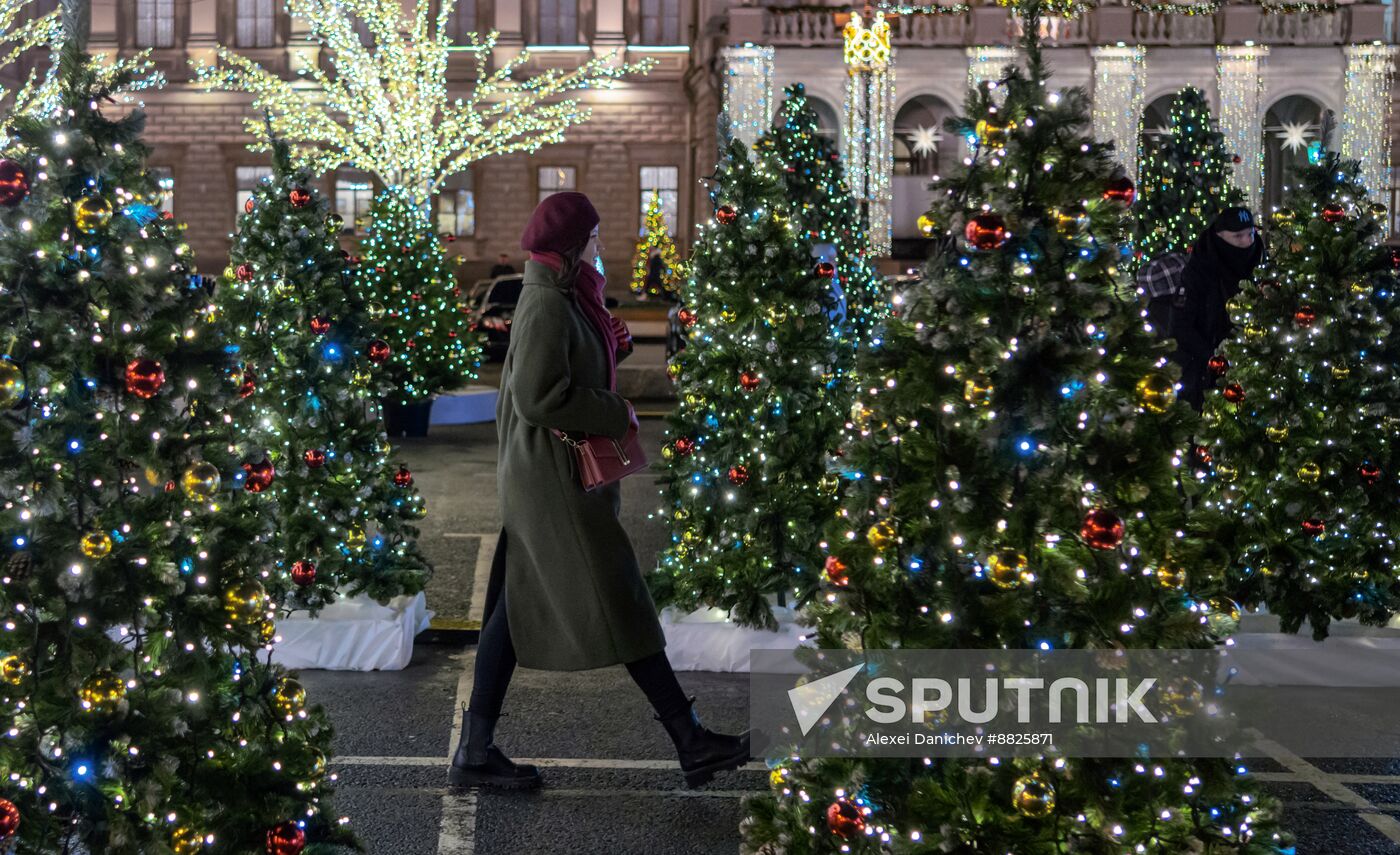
{"x":385,"y":109}
{"x":1239,"y":71}
{"x":869,"y":122}
{"x":1120,"y":76}
{"x":748,"y":90}
{"x":1366,"y":113}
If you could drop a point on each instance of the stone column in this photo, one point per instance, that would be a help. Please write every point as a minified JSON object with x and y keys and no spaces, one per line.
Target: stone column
{"x":510,"y":23}
{"x":203,"y":43}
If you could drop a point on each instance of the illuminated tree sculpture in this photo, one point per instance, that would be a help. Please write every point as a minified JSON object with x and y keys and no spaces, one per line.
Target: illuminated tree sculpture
{"x":139,"y":711}
{"x":412,"y":301}
{"x":656,"y":236}
{"x":384,"y":107}
{"x":1306,"y":466}
{"x":20,"y":33}
{"x":1012,"y":485}
{"x":309,"y":374}
{"x":745,"y":481}
{"x":1186,"y":178}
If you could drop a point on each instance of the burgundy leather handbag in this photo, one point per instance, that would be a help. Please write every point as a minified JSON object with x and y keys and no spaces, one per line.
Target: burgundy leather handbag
{"x":601,"y":459}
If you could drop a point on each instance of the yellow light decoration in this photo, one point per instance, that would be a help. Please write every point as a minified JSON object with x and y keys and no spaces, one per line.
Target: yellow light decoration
{"x":866,"y":48}
{"x":12,"y":386}
{"x":101,"y":692}
{"x":868,"y":123}
{"x":246,"y":603}
{"x":201,"y":481}
{"x":97,"y":544}
{"x":13,"y":669}
{"x":385,"y":107}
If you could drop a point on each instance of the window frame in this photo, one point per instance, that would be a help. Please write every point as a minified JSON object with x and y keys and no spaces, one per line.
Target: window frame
{"x":540,"y":191}
{"x":646,"y":16}
{"x":155,"y":43}
{"x":670,"y":196}
{"x":560,"y":33}
{"x":241,"y":193}
{"x":355,"y":186}
{"x":273,"y":24}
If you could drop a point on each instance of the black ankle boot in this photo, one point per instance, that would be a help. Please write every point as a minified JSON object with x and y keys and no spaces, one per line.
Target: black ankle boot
{"x":703,"y":752}
{"x":479,"y":763}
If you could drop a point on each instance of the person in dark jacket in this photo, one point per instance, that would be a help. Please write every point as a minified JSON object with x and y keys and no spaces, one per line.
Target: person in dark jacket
{"x":566,"y":592}
{"x":1225,"y":253}
{"x":502,"y":267}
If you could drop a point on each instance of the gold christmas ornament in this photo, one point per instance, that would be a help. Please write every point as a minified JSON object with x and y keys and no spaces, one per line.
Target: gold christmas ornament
{"x":289,"y":697}
{"x":355,"y":538}
{"x":1222,"y":616}
{"x":1171,"y":575}
{"x":375,"y":310}
{"x":775,"y":777}
{"x":978,"y":389}
{"x":1155,"y":393}
{"x":1309,"y":473}
{"x":101,"y":692}
{"x":881,"y":535}
{"x":186,"y":841}
{"x":1283,"y":216}
{"x":267,"y":632}
{"x":13,"y":669}
{"x":246,"y":603}
{"x":200,"y":481}
{"x":1253,"y":330}
{"x":1340,"y":372}
{"x":97,"y":544}
{"x":1276,"y":433}
{"x":991,"y":133}
{"x":1226,"y":472}
{"x":1007,"y":568}
{"x":927,"y":225}
{"x":829,"y":483}
{"x":11,"y":384}
{"x":1032,"y":796}
{"x":729,"y":316}
{"x":91,"y":213}
{"x":1070,"y":221}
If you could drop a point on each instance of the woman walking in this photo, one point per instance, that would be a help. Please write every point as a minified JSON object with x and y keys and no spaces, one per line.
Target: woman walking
{"x":566,"y":593}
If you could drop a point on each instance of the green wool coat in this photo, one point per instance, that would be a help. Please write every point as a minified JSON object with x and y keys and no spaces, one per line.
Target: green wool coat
{"x":574,"y":594}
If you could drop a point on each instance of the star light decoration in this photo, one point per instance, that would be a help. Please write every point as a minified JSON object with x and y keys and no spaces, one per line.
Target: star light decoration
{"x":924,"y":141}
{"x":1294,"y":135}
{"x":384,"y":107}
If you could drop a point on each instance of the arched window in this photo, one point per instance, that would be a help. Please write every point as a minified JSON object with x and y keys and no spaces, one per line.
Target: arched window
{"x":1290,"y":125}
{"x":921,"y":147}
{"x":828,"y":121}
{"x":1157,"y":120}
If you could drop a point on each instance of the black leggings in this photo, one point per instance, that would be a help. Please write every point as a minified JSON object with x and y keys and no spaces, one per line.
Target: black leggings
{"x":495,"y":663}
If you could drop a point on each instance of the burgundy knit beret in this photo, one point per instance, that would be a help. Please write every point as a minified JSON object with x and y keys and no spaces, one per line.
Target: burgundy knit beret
{"x":561,"y":223}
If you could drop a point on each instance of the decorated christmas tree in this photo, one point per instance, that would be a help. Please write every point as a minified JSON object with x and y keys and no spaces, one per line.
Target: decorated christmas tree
{"x":411,"y":302}
{"x":139,"y":711}
{"x":1185,"y":180}
{"x":312,"y":377}
{"x":1011,"y":485}
{"x":745,"y":483}
{"x":656,"y":238}
{"x":1303,"y":490}
{"x":824,"y":207}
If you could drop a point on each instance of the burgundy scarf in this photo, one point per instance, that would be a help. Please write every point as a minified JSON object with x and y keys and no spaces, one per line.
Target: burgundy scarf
{"x":587,"y":289}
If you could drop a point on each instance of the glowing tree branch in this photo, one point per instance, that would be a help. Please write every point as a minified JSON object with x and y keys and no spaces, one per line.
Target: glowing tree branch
{"x":17,"y":35}
{"x":384,"y":107}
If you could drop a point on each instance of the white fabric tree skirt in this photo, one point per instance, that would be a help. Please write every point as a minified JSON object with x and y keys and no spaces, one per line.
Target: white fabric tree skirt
{"x":706,"y":640}
{"x":354,"y":634}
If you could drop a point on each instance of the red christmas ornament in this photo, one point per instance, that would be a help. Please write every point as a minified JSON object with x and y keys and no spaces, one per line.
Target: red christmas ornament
{"x":1267,"y":284}
{"x":315,"y":458}
{"x":257,"y":476}
{"x":14,"y":183}
{"x":379,"y":351}
{"x":1218,"y":365}
{"x":1395,"y":258}
{"x":1121,"y":189}
{"x":1314,"y":527}
{"x":1236,"y":159}
{"x":286,"y":839}
{"x":826,"y":269}
{"x":843,"y":819}
{"x":244,"y":272}
{"x":1201,"y":455}
{"x":403,"y":477}
{"x":248,"y":205}
{"x":1333,"y":213}
{"x":144,"y":377}
{"x":684,"y":446}
{"x":247,"y":384}
{"x":1233,"y":392}
{"x":749,"y":380}
{"x":1305,"y":315}
{"x":686,"y":317}
{"x":739,"y":475}
{"x":726,"y":215}
{"x":1102,"y":529}
{"x":300,"y":197}
{"x":986,"y":232}
{"x":9,"y":819}
{"x":1370,"y":473}
{"x":303,"y":572}
{"x":320,"y":325}
{"x":836,"y":571}
{"x":169,"y":486}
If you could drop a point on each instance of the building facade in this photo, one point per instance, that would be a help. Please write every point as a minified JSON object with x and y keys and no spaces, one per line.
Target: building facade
{"x":1275,"y":72}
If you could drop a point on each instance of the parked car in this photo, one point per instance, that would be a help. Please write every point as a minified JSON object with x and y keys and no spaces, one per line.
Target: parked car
{"x":495,"y":309}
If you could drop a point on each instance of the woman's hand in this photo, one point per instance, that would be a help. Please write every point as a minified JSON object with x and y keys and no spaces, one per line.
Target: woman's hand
{"x":633,"y":426}
{"x":621,"y":334}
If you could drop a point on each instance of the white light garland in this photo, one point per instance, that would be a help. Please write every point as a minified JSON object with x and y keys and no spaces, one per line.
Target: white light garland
{"x":748,"y":91}
{"x":987,"y":62}
{"x":1366,"y":113}
{"x":1120,"y":76}
{"x":869,"y":120}
{"x":1239,"y":78}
